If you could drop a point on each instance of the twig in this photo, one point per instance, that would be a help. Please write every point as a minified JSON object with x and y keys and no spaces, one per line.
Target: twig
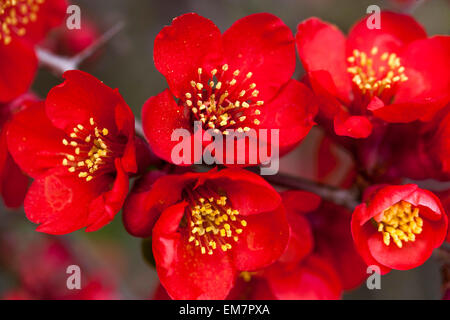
{"x":343,"y":197}
{"x":138,"y":128}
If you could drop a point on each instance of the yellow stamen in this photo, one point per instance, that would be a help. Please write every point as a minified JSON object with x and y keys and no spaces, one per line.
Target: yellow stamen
{"x":401,"y":223}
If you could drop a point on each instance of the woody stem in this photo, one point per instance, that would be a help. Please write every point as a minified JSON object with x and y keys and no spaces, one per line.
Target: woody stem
{"x":348,"y":198}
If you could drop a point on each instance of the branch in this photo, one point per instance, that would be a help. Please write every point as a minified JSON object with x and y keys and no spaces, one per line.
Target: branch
{"x":138,"y":127}
{"x":60,"y":64}
{"x":343,"y":197}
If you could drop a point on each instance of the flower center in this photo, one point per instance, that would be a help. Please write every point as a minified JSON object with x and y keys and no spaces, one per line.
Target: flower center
{"x":374,"y":73}
{"x":224,"y":100}
{"x":212,"y":223}
{"x":401,"y":222}
{"x":15,"y":15}
{"x":93,"y":151}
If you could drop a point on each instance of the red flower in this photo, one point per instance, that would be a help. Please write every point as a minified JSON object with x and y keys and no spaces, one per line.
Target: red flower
{"x":321,"y":260}
{"x":240,"y":80}
{"x":333,"y":241}
{"x":398,"y":227}
{"x":13,"y":182}
{"x":439,"y":142}
{"x":24,"y":23}
{"x":41,"y":274}
{"x":392,"y":74}
{"x":418,"y":150}
{"x":209,"y":227}
{"x":69,"y":42}
{"x":80,"y":148}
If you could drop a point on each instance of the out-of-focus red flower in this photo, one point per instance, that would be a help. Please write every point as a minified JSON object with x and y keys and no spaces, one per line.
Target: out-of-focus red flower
{"x":24,"y":24}
{"x":239,"y":80}
{"x":80,"y":149}
{"x":418,"y":150}
{"x":334,"y":243}
{"x":321,"y":260}
{"x":209,"y":227}
{"x":398,"y":227}
{"x":42,"y":275}
{"x":69,"y":42}
{"x":438,"y":143}
{"x":391,"y":74}
{"x":13,"y":182}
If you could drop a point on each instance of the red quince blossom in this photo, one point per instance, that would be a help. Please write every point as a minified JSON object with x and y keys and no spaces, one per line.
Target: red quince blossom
{"x":41,"y":274}
{"x":418,"y":150}
{"x":80,"y":148}
{"x":13,"y":182}
{"x":321,"y":260}
{"x":392,"y":74}
{"x":398,"y":226}
{"x":24,"y":24}
{"x":208,"y":227}
{"x":239,"y":80}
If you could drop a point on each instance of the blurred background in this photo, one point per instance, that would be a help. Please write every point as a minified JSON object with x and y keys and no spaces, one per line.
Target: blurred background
{"x":125,"y":62}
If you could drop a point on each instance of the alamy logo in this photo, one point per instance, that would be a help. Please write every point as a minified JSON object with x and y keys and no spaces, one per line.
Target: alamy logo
{"x":74,"y":20}
{"x":374,"y":280}
{"x":374,"y":20}
{"x":74,"y":280}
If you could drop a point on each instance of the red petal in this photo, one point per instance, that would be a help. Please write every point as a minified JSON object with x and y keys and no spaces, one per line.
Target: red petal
{"x":183,"y":271}
{"x":361,"y":233}
{"x":334,"y":243}
{"x":51,"y":14}
{"x":81,"y":97}
{"x":352,"y":126}
{"x":423,"y":61}
{"x":292,"y":111}
{"x":18,"y":65}
{"x":124,"y":119}
{"x":262,"y":44}
{"x":327,"y":160}
{"x":386,"y":197}
{"x":14,"y":184}
{"x":314,"y":279}
{"x":412,"y":254}
{"x":35,"y":144}
{"x":301,"y":240}
{"x":60,"y":202}
{"x":160,"y":117}
{"x":314,"y":38}
{"x":300,"y":201}
{"x":247,"y":192}
{"x":263,"y":241}
{"x":181,"y":48}
{"x":104,"y":208}
{"x":397,"y":30}
{"x":326,"y":92}
{"x":148,"y":199}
